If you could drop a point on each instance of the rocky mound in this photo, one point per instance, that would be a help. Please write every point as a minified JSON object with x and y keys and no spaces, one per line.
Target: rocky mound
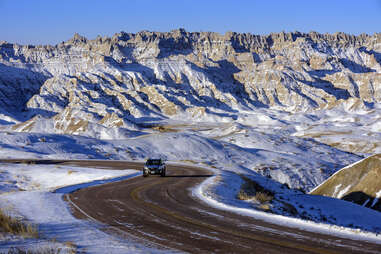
{"x":359,"y":183}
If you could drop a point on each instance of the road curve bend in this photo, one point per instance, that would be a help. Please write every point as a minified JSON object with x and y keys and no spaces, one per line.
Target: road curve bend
{"x":163,"y":210}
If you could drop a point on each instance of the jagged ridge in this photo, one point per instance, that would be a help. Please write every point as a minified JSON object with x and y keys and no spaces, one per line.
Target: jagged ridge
{"x":118,"y":81}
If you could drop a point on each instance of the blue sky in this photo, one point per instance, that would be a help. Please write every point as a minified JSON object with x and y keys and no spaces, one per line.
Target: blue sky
{"x":53,"y":21}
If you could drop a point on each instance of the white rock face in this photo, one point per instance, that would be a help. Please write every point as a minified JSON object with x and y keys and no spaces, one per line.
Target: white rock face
{"x":120,"y":81}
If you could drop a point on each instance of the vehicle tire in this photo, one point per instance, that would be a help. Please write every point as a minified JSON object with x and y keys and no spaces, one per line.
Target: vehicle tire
{"x":145,"y":174}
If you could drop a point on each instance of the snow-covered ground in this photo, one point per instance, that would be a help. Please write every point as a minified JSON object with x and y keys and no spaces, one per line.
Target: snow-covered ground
{"x":35,"y":193}
{"x":341,"y":218}
{"x":273,"y":148}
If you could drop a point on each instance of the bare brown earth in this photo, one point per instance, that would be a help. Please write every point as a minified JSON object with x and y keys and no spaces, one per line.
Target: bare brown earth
{"x":163,"y":212}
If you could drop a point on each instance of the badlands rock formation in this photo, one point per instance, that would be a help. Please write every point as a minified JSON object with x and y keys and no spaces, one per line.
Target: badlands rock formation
{"x":358,"y":183}
{"x":130,"y":78}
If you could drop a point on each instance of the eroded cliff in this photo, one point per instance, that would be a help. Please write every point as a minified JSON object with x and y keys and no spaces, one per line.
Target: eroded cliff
{"x":119,"y":81}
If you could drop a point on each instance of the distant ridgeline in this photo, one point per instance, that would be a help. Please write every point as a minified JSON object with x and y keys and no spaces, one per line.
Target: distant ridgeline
{"x":119,"y":81}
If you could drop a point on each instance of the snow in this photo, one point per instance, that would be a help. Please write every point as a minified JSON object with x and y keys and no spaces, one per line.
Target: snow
{"x":343,"y":191}
{"x":48,"y":178}
{"x":337,"y":188}
{"x":56,"y":221}
{"x":351,"y":130}
{"x":43,"y":206}
{"x":378,"y":196}
{"x":272,"y":147}
{"x":213,"y":125}
{"x":218,"y":193}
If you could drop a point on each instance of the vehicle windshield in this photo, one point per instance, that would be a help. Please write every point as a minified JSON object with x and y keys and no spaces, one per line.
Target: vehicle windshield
{"x":153,"y":162}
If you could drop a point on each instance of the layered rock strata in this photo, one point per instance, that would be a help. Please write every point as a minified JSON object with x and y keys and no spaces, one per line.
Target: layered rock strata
{"x":129,"y":78}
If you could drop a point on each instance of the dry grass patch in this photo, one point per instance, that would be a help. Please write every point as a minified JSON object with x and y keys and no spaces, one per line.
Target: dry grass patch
{"x":15,"y":226}
{"x":163,"y":128}
{"x":265,"y":207}
{"x":71,"y":246}
{"x":251,"y":190}
{"x":242,"y":195}
{"x":66,"y":248}
{"x":47,"y":250}
{"x":264,"y":197}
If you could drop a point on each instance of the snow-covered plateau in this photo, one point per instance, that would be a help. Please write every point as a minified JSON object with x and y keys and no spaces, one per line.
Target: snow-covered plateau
{"x":285,"y":111}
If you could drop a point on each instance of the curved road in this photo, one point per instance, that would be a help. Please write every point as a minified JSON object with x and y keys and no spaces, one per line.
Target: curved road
{"x":162,"y":211}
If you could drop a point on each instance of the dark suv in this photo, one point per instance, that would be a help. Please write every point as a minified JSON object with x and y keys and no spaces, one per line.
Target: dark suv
{"x":154,"y":167}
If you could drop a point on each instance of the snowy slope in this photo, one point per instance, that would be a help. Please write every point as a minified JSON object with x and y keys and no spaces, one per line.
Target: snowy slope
{"x":27,"y":193}
{"x":278,"y":156}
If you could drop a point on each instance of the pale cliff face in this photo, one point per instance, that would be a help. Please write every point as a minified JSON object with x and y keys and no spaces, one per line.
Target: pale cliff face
{"x":113,"y":82}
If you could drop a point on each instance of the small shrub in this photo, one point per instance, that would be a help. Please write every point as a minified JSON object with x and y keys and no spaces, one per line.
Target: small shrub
{"x":252,"y":190}
{"x":16,"y":226}
{"x":242,"y":195}
{"x":264,"y":197}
